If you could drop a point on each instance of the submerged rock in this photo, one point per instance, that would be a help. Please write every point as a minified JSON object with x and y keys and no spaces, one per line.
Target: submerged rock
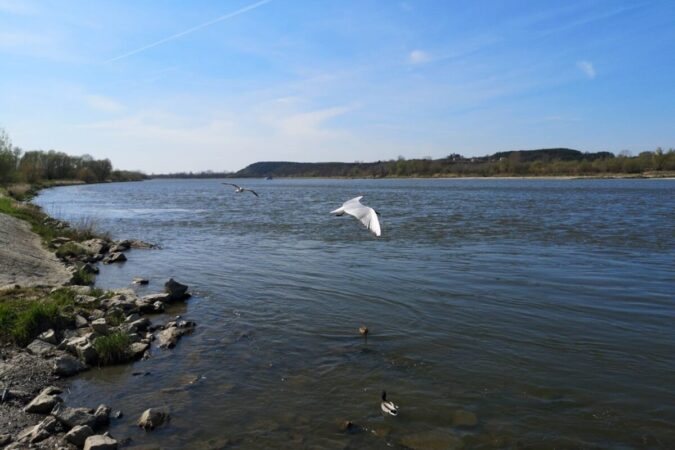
{"x":140,"y":280}
{"x":463,"y":418}
{"x":168,"y":338}
{"x":100,"y":442}
{"x":152,"y":418}
{"x":433,"y":440}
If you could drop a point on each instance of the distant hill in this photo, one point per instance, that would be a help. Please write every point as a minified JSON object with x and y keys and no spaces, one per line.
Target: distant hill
{"x":502,"y":163}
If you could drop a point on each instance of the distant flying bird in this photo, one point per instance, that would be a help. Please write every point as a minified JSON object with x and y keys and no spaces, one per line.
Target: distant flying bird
{"x":365,"y":214}
{"x":239,"y":189}
{"x":388,"y":407}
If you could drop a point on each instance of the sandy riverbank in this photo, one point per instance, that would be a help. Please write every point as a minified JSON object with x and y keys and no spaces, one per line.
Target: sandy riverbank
{"x":23,"y":259}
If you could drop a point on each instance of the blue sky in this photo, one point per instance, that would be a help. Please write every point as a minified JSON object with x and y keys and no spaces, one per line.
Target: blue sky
{"x":171,"y":85}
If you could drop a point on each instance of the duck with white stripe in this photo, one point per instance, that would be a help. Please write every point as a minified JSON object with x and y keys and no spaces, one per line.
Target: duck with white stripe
{"x":388,"y":407}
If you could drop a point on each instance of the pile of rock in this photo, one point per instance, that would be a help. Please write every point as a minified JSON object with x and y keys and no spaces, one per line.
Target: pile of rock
{"x":63,"y":427}
{"x":73,"y":350}
{"x":83,"y":255}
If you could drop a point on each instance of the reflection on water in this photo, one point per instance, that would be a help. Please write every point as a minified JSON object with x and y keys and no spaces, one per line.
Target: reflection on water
{"x":545,"y":308}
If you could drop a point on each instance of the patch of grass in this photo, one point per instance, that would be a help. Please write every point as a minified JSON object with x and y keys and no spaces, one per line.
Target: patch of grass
{"x":27,"y":312}
{"x":114,"y":348}
{"x":82,"y":277}
{"x":86,"y":228}
{"x":70,"y":249}
{"x":21,"y":321}
{"x":115,"y":318}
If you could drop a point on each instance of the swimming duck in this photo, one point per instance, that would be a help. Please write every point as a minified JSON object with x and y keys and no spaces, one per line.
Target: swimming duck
{"x":388,"y":407}
{"x":363,"y":331}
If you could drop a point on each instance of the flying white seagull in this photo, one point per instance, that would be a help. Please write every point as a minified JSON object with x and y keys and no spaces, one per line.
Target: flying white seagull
{"x":238,"y":189}
{"x":365,"y":214}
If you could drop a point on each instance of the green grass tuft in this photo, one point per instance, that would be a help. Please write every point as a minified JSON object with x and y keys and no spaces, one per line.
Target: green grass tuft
{"x":115,"y":318}
{"x":114,"y":348}
{"x":27,"y":312}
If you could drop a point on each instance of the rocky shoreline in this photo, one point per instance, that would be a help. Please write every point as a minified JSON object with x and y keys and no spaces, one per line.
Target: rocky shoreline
{"x":93,"y":328}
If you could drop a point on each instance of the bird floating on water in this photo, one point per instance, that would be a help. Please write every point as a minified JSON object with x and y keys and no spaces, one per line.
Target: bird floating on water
{"x":388,"y":407}
{"x":363,"y":331}
{"x":365,"y":214}
{"x":238,"y":189}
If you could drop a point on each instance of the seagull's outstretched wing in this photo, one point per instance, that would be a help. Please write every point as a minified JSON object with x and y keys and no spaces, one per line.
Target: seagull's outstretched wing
{"x":232,"y":184}
{"x":252,"y":191}
{"x":365,"y":214}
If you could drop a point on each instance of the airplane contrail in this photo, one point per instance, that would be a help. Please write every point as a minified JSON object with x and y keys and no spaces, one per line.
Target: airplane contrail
{"x":190,"y":30}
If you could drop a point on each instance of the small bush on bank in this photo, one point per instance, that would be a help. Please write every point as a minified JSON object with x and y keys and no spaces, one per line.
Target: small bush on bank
{"x":114,"y":348}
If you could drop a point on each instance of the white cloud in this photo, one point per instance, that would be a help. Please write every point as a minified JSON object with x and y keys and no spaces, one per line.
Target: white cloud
{"x":419,"y":57}
{"x":309,"y":124}
{"x":587,"y":68}
{"x":102,"y":103}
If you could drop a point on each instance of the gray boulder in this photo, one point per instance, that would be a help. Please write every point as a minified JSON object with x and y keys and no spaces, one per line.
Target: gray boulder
{"x":116,"y":257}
{"x":100,"y":442}
{"x":87,"y":353}
{"x":102,"y":415}
{"x":95,"y":246}
{"x":152,"y":418}
{"x":138,"y":349}
{"x":90,"y":269}
{"x":48,"y":336}
{"x":100,"y":326}
{"x":80,"y":322}
{"x":79,"y":434}
{"x":176,"y":290}
{"x":72,"y":417}
{"x":66,"y":366}
{"x":41,"y":348}
{"x":44,"y":402}
{"x":39,"y":432}
{"x":169,"y":336}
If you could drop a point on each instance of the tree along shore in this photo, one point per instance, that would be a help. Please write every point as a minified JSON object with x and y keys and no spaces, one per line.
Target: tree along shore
{"x":40,"y":167}
{"x":521,"y":163}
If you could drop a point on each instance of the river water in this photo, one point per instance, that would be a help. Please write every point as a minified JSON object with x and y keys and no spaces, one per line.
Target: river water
{"x":543,"y":307}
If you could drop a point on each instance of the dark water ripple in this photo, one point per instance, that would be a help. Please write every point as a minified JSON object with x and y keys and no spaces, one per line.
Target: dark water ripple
{"x":545,"y":307}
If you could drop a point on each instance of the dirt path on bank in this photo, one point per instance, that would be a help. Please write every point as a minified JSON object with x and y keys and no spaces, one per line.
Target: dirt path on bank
{"x":23,"y":260}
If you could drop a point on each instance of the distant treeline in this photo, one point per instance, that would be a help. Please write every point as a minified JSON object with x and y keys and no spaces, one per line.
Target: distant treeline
{"x":544,"y":162}
{"x":205,"y":174}
{"x":37,"y":165}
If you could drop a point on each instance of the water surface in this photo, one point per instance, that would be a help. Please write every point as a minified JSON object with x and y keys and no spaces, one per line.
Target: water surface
{"x":543,"y":307}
